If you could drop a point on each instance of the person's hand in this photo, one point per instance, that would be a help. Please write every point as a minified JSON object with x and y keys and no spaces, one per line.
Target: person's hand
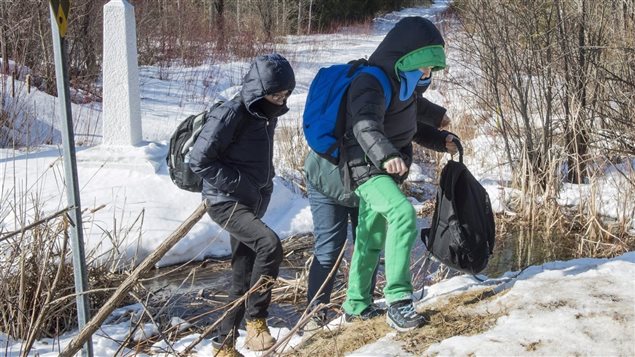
{"x":396,"y":165}
{"x":445,"y":122}
{"x":450,"y":146}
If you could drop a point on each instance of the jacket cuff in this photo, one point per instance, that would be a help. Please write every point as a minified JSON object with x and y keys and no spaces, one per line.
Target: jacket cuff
{"x":391,"y":156}
{"x":430,"y":113}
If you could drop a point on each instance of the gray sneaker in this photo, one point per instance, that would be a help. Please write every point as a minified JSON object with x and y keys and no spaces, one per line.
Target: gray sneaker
{"x":403,"y":317}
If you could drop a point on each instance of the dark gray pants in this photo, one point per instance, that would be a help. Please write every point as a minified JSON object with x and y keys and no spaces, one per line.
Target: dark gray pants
{"x":256,"y":251}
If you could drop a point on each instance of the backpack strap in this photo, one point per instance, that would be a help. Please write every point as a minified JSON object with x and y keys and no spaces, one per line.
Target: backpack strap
{"x":375,"y":72}
{"x":197,"y":123}
{"x":241,"y":120}
{"x":383,"y":80}
{"x":386,"y":87}
{"x":355,"y":64}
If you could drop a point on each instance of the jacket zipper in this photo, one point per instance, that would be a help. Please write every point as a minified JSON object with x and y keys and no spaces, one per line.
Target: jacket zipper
{"x":269,"y":163}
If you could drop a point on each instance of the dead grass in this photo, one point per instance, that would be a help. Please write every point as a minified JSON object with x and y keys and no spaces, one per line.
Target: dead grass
{"x":427,"y":208}
{"x":38,"y":291}
{"x":291,"y":147}
{"x":534,"y":207}
{"x":456,"y":317}
{"x":346,"y":339}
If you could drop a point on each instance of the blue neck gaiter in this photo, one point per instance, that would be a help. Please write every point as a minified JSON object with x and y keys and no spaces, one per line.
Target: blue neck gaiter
{"x":409,"y":81}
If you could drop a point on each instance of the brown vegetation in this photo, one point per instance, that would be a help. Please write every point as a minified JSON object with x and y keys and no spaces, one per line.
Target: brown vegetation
{"x":344,"y":339}
{"x":558,"y":77}
{"x":167,"y":31}
{"x":456,"y":316}
{"x":554,"y":83}
{"x":38,"y":291}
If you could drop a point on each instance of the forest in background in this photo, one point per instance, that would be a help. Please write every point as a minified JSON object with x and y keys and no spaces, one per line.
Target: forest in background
{"x":189,"y":31}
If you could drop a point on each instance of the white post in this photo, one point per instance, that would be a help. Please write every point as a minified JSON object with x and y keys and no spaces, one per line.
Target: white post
{"x":121,"y":105}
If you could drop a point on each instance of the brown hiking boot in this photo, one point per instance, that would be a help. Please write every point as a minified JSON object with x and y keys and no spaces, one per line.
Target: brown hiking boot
{"x":258,"y":336}
{"x":228,"y":349}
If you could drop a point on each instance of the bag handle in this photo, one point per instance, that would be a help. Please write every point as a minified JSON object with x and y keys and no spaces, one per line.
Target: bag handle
{"x":458,"y":144}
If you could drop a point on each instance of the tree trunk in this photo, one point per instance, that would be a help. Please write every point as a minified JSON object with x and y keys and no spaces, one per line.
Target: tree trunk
{"x":43,"y":26}
{"x":308,"y":31}
{"x":299,"y":17}
{"x":284,"y":16}
{"x":582,"y":136}
{"x":238,"y":14}
{"x":3,"y":40}
{"x":89,"y":44}
{"x":219,"y":14}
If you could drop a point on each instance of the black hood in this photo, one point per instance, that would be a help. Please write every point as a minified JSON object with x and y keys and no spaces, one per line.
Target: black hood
{"x":268,"y":74}
{"x":409,"y":34}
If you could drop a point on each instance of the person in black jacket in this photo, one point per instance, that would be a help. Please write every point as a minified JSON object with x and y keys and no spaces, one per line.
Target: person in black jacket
{"x":234,"y":156}
{"x":377,"y":153}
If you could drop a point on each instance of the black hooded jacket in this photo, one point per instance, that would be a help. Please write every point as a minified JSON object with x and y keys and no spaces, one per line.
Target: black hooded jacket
{"x":380,"y":133}
{"x":234,"y":152}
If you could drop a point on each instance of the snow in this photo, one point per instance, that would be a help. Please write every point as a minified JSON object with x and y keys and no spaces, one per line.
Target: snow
{"x":582,"y":306}
{"x":578,"y":307}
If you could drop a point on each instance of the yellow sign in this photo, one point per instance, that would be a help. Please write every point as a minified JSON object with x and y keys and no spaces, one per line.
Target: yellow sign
{"x":60,"y":8}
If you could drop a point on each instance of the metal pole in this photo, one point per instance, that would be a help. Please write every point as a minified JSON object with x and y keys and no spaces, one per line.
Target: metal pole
{"x":59,"y":13}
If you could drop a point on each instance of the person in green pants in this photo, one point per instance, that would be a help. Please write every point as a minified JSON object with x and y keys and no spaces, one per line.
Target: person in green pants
{"x":376,"y":156}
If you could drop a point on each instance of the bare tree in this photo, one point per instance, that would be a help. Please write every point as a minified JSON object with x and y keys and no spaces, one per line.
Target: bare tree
{"x":238,"y":14}
{"x":265,"y":12}
{"x":219,"y":15}
{"x":3,"y":39}
{"x":299,"y":26}
{"x":308,"y":30}
{"x":549,"y":74}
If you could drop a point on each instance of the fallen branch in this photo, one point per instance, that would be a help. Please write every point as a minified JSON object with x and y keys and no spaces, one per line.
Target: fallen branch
{"x":34,"y":224}
{"x":112,"y":303}
{"x":45,"y":220}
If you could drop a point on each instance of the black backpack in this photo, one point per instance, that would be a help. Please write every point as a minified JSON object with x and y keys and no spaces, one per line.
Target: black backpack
{"x":462,"y":231}
{"x":181,"y":143}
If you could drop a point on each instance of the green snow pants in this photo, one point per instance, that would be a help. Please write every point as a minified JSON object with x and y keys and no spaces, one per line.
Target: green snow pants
{"x":387,"y":221}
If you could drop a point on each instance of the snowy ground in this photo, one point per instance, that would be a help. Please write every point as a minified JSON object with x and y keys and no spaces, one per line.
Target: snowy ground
{"x":581,"y":307}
